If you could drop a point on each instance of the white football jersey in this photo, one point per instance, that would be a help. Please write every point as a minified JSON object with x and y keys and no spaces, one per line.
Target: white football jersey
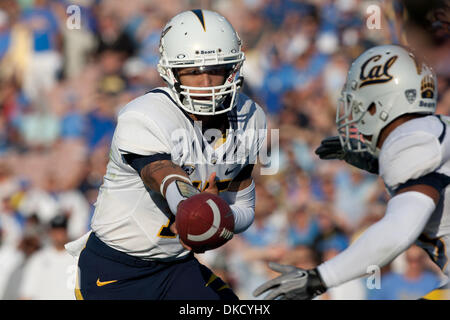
{"x":418,"y":152}
{"x":133,"y":219}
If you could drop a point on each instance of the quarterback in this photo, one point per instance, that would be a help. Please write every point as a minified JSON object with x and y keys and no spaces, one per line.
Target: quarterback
{"x":388,"y":126}
{"x":170,"y":144}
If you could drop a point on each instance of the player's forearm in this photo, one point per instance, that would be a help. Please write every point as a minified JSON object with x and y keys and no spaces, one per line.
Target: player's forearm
{"x":170,"y":181}
{"x":243,"y":180}
{"x":154,"y":173}
{"x":238,"y":186}
{"x":242,"y":204}
{"x":406,"y":216}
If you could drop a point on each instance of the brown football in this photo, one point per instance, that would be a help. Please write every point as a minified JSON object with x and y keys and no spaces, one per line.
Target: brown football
{"x":204,"y":222}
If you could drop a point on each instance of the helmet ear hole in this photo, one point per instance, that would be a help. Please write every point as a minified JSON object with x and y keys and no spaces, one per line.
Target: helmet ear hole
{"x":372,"y":108}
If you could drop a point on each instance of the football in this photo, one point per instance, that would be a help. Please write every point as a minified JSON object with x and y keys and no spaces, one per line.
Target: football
{"x":204,"y":222}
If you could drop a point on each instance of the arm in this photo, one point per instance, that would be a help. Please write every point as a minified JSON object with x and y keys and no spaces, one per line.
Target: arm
{"x":242,"y":180}
{"x":241,"y":198}
{"x":406,"y":216}
{"x":161,"y":175}
{"x":154,"y":173}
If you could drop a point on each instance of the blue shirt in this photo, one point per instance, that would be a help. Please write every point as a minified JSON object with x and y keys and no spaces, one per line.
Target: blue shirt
{"x":100,"y":129}
{"x":5,"y":39}
{"x":261,"y":236}
{"x":395,"y":286}
{"x":45,"y":27}
{"x":277,"y":80}
{"x":149,"y":49}
{"x":306,"y":237}
{"x":338,"y":241}
{"x":72,"y":125}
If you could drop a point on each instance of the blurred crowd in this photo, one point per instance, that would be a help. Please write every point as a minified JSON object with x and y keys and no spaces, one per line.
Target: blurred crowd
{"x":63,"y":81}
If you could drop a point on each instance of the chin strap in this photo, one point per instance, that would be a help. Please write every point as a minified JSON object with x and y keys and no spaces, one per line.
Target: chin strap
{"x":241,"y":79}
{"x":177,"y":87}
{"x":226,"y":101}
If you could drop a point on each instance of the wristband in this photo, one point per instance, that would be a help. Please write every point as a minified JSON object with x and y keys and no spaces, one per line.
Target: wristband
{"x":163,"y":182}
{"x":316,"y":285}
{"x":178,"y":191}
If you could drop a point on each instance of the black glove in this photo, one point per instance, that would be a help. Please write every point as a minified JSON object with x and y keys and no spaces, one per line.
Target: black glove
{"x":293,"y":284}
{"x":330,"y":148}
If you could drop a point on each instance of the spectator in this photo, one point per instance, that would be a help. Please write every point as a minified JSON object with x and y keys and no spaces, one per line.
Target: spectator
{"x":47,"y":274}
{"x":14,"y":258}
{"x":101,"y":121}
{"x":79,"y":42}
{"x":415,"y":283}
{"x":39,"y":127}
{"x":303,"y":228}
{"x":301,"y":257}
{"x":58,"y":196}
{"x":5,"y":33}
{"x":331,"y":236}
{"x":269,"y":225}
{"x":354,"y":190}
{"x":45,"y":61}
{"x":112,"y":37}
{"x":11,"y":219}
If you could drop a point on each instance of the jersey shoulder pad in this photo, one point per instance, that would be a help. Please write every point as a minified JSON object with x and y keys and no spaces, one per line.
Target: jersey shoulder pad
{"x":407,"y":156}
{"x":139,"y":131}
{"x":152,"y":105}
{"x":249,"y":111}
{"x":253,"y":121}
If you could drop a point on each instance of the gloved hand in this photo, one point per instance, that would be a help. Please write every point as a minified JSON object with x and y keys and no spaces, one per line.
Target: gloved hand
{"x":331,"y":148}
{"x":293,"y":284}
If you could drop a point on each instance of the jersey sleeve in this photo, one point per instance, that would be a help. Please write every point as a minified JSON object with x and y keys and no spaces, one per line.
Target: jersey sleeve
{"x":136,"y":133}
{"x":409,"y":157}
{"x":262,"y":130}
{"x":259,"y":134}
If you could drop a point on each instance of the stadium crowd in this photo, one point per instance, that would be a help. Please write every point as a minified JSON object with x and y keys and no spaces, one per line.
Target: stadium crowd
{"x":62,"y":84}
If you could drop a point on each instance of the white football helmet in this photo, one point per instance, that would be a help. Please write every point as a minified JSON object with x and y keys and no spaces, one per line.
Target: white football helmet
{"x":382,"y":84}
{"x":204,"y":39}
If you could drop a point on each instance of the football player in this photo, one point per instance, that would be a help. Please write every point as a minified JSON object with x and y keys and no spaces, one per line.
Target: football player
{"x":388,"y":127}
{"x":198,"y":134}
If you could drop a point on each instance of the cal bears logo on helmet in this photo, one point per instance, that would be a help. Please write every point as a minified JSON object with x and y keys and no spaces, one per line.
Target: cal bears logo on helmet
{"x":379,"y":73}
{"x":427,"y":87}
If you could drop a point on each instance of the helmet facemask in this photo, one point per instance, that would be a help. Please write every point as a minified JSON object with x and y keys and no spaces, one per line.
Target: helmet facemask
{"x":210,"y":100}
{"x":349,"y":113}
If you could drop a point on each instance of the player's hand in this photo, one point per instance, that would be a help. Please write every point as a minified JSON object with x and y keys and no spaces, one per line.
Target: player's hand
{"x":293,"y":284}
{"x":330,"y":148}
{"x":212,"y":185}
{"x":173,"y":229}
